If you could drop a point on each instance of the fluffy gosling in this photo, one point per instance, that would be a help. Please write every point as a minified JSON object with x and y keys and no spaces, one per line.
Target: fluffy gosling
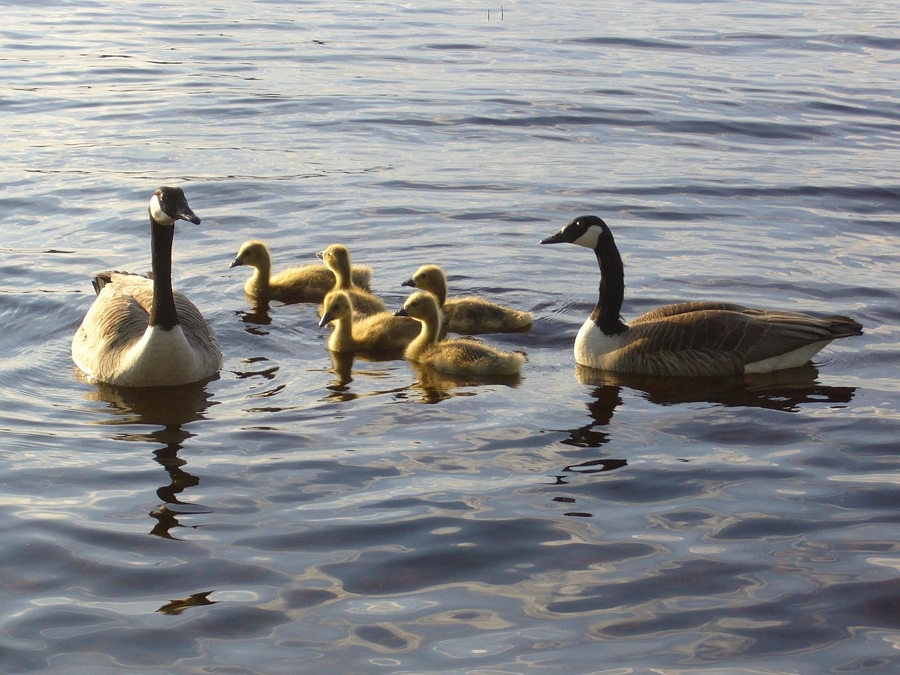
{"x":378,"y":332}
{"x":458,"y":356}
{"x":337,"y":258}
{"x":468,"y":315}
{"x":309,"y":283}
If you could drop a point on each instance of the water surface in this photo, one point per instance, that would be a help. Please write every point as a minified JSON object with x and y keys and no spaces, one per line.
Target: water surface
{"x":306,"y":514}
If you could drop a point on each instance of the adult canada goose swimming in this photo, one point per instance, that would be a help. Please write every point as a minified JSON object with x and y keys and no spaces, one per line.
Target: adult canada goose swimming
{"x":692,"y":338}
{"x":468,"y":315}
{"x":378,"y":332}
{"x":458,"y":356}
{"x":308,"y":283}
{"x":337,"y":258}
{"x":139,"y":332}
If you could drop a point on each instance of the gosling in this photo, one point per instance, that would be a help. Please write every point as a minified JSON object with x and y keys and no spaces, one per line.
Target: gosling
{"x":380,"y":332}
{"x":468,"y":315}
{"x":458,"y":356}
{"x":309,"y":283}
{"x":337,"y":258}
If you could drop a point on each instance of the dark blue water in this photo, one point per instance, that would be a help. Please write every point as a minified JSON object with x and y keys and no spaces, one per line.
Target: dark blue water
{"x":304,"y":514}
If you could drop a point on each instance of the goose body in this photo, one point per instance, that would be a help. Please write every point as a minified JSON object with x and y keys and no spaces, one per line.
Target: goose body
{"x":377,"y":332}
{"x":337,"y":259}
{"x":696,"y":339}
{"x":139,"y":332}
{"x":308,"y":283}
{"x":469,"y":315}
{"x":459,"y":356}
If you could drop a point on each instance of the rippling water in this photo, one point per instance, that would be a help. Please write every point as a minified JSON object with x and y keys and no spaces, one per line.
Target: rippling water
{"x":300,"y":514}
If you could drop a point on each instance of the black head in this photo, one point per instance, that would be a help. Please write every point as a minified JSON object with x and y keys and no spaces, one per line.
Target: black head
{"x":585,"y":231}
{"x":169,"y":204}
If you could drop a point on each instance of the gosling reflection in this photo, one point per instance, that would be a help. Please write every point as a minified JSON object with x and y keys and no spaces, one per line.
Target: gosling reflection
{"x":257,"y":316}
{"x":169,"y":409}
{"x":435,"y":386}
{"x":342,"y":363}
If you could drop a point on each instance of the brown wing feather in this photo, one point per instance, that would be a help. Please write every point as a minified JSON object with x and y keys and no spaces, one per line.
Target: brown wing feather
{"x":115,"y":321}
{"x":686,"y":308}
{"x":198,"y":332}
{"x":719,"y":340}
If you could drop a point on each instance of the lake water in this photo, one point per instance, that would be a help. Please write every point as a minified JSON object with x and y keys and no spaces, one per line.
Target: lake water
{"x":299,"y":515}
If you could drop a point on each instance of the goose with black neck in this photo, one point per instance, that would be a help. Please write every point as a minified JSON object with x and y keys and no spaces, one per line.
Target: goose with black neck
{"x":139,"y":332}
{"x":695,"y":339}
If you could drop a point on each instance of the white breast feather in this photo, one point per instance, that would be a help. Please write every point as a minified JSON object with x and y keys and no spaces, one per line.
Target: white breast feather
{"x":594,"y":349}
{"x":160,"y":357}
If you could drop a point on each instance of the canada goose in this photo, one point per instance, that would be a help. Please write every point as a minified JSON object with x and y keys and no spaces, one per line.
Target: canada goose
{"x":337,"y":258}
{"x":309,"y":283}
{"x":460,"y":356}
{"x":140,"y":333}
{"x":469,"y":315}
{"x":382,"y":331}
{"x":696,"y":339}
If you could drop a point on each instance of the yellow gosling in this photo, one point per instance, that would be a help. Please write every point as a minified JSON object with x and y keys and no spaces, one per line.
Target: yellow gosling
{"x":374,"y":333}
{"x":337,"y":258}
{"x":468,"y":315}
{"x":309,"y":283}
{"x":458,"y":356}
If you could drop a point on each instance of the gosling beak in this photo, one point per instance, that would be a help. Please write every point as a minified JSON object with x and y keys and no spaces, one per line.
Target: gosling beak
{"x":237,"y":262}
{"x":409,"y":282}
{"x":320,"y":254}
{"x":325,"y":320}
{"x":401,"y":312}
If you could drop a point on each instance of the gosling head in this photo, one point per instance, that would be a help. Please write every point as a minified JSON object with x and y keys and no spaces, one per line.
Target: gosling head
{"x":337,"y":305}
{"x":169,"y":204}
{"x":421,"y":306}
{"x":427,"y":277}
{"x":253,"y":253}
{"x":335,"y":256}
{"x":587,"y":231}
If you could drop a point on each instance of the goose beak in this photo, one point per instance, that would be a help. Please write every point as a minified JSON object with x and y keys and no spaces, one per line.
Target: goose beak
{"x":186,"y":213}
{"x":320,"y":254}
{"x":409,"y":282}
{"x":236,"y":263}
{"x":325,"y":320}
{"x":401,"y":312}
{"x":558,"y":238}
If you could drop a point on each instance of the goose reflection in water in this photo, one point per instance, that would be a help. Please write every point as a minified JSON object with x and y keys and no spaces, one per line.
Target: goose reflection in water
{"x":169,"y":409}
{"x":785,"y":391}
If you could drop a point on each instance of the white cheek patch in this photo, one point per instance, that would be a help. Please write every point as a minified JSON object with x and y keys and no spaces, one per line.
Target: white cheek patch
{"x":590,"y":238}
{"x":158,"y":214}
